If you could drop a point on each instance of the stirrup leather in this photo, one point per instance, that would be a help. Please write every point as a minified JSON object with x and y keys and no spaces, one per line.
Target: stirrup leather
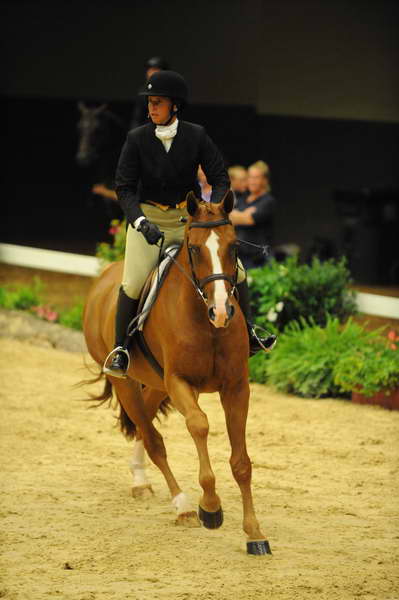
{"x":106,"y":368}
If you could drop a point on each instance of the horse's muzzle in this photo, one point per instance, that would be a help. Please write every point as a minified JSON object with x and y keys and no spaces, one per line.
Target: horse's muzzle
{"x":223,"y":319}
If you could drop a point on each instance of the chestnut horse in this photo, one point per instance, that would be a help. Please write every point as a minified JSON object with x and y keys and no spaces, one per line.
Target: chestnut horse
{"x":198,"y":334}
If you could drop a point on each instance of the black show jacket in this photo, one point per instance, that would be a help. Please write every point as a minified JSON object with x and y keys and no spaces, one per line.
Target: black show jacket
{"x":147,"y":173}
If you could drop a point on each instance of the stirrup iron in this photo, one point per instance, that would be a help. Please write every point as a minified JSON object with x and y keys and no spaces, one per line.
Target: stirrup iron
{"x":258,"y":339}
{"x":106,"y":368}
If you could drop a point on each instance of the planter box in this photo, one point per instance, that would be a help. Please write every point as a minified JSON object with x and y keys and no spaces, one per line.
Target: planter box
{"x":390,"y":401}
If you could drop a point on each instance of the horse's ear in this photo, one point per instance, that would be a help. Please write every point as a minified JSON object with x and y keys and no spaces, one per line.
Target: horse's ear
{"x":192,"y":203}
{"x":228,"y":202}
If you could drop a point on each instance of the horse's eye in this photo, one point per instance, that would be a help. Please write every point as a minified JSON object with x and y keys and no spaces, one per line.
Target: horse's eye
{"x":194,"y":249}
{"x":233,"y":248}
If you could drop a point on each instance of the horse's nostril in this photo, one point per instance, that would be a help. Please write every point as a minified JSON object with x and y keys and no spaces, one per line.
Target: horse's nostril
{"x":211,"y":313}
{"x":230,"y":311}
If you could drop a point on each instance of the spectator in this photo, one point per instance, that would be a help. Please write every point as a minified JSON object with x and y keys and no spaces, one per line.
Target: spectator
{"x":253,"y":215}
{"x":238,"y":178}
{"x":140,"y":111}
{"x":206,"y":188}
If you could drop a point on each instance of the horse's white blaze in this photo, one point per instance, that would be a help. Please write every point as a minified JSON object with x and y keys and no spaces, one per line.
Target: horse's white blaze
{"x":137,"y":464}
{"x":220,"y":296}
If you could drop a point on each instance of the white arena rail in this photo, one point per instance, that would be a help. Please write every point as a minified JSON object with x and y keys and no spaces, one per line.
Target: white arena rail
{"x":49,"y":260}
{"x":78,"y":264}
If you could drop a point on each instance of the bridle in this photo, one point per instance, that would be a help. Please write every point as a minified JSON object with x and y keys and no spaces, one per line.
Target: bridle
{"x":200,"y":284}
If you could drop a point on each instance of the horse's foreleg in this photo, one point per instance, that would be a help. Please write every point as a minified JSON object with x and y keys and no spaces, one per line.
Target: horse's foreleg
{"x":235,"y":405}
{"x":185,"y":399}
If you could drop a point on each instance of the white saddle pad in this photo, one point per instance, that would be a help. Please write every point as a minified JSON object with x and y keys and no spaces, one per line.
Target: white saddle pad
{"x":170,"y":251}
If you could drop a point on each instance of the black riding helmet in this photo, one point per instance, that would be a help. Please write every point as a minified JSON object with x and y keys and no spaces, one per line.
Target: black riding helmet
{"x":169,"y":84}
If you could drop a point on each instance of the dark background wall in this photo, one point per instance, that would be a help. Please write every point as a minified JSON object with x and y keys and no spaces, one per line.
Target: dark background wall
{"x":310,"y":87}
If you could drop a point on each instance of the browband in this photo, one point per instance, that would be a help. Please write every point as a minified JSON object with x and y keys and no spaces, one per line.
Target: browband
{"x":209,"y":224}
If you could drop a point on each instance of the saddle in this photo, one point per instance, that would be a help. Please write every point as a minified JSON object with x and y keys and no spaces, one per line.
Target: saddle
{"x":154,"y":283}
{"x":148,"y":296}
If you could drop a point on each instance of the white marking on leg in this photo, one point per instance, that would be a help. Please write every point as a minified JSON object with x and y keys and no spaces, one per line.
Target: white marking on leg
{"x":220,"y":295}
{"x":137,"y":464}
{"x":182,"y":504}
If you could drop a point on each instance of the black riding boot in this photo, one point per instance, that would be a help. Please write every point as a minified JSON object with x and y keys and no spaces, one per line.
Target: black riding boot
{"x":256,"y":343}
{"x":126,"y":310}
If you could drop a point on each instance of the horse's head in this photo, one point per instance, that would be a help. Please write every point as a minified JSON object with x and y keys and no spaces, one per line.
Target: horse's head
{"x":90,"y":131}
{"x":212,"y":250}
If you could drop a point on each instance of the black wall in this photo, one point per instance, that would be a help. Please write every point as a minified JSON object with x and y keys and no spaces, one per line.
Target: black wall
{"x":311,"y":87}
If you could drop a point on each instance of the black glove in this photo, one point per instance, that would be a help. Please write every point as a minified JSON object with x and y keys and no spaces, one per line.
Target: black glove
{"x":150,"y":231}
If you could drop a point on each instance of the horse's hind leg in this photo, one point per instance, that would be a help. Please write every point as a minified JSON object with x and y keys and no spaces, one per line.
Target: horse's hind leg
{"x":235,"y":405}
{"x":141,"y":486}
{"x":185,"y":399}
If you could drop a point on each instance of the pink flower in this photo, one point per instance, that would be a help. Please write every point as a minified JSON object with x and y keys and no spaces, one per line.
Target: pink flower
{"x":392,"y":346}
{"x":46,"y":313}
{"x":51,"y":315}
{"x":113,"y":230}
{"x":392,"y":336}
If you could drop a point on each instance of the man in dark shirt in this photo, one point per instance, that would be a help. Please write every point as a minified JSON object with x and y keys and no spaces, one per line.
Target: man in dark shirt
{"x":253,"y":215}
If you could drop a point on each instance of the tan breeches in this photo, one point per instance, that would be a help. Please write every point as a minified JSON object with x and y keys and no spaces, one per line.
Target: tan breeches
{"x":141,"y":257}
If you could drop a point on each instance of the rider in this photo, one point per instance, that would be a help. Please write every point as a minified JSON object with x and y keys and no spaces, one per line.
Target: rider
{"x":157,"y":168}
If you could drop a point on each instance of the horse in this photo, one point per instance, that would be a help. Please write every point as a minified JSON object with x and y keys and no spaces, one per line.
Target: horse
{"x":101,"y":135}
{"x":198,"y":334}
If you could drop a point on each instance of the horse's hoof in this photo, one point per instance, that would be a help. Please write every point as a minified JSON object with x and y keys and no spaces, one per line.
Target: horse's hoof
{"x":258,"y":547}
{"x":188,"y":519}
{"x":142,"y":492}
{"x":211,"y":520}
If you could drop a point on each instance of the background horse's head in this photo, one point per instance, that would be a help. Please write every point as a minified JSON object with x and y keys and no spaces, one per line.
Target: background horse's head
{"x":90,"y":134}
{"x":100,"y":133}
{"x":212,"y":250}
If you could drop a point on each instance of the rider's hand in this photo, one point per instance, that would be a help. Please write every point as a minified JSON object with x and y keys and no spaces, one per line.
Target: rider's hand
{"x":150,"y":231}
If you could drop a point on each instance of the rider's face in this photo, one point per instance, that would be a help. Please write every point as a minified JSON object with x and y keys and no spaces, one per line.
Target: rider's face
{"x":159,"y":109}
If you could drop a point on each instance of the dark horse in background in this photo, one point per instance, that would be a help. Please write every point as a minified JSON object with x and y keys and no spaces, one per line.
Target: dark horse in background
{"x":101,"y":135}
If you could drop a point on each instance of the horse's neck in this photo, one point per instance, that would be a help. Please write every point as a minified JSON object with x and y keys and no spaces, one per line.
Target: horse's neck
{"x":186,"y":289}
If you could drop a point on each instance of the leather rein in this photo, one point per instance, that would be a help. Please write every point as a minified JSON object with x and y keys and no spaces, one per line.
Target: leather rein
{"x":200,"y":283}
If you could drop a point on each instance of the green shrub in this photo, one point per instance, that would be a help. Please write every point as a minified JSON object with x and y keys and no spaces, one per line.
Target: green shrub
{"x":72,"y":317}
{"x":116,"y":249}
{"x":285,"y":292}
{"x":368,"y":370}
{"x":258,"y":367}
{"x":22,"y":297}
{"x":305,"y":358}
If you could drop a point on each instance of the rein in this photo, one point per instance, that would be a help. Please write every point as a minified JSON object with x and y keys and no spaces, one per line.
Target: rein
{"x":198,"y":284}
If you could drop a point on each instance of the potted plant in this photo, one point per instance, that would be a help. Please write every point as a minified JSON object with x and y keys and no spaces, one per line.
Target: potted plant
{"x":371,"y":374}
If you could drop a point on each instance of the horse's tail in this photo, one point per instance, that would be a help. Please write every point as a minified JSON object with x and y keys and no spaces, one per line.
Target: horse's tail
{"x":127,"y":427}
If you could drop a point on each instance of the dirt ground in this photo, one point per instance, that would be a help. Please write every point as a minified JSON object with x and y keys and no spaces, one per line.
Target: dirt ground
{"x":325,"y":482}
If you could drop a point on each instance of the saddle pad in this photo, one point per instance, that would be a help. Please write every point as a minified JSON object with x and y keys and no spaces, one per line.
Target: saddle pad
{"x":157,"y":278}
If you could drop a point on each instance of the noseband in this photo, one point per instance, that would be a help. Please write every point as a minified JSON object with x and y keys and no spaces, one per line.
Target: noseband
{"x":201,"y":283}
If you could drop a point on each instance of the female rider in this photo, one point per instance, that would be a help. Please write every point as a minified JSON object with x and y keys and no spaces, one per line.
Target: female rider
{"x":156,"y":170}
